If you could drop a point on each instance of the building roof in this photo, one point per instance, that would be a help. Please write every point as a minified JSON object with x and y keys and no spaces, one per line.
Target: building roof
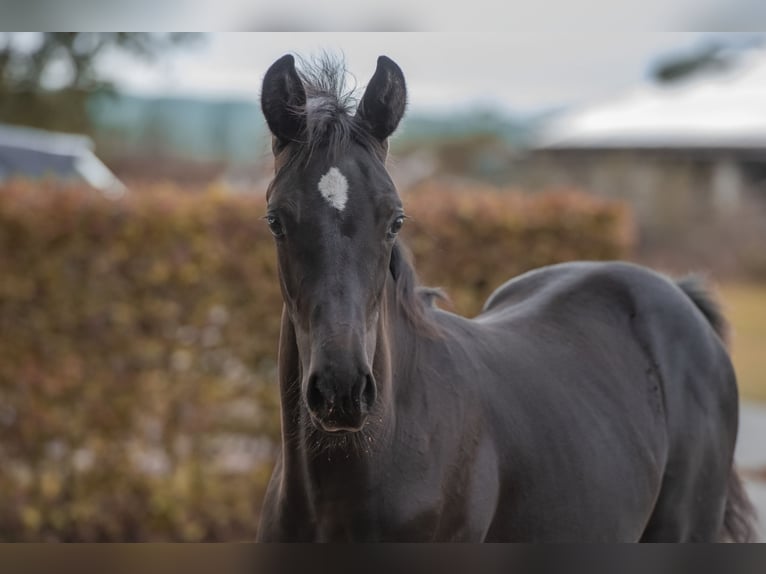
{"x":725,"y":110}
{"x":33,"y":153}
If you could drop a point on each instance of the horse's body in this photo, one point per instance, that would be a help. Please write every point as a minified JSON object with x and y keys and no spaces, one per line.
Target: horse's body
{"x":548,"y":417}
{"x":587,"y":402}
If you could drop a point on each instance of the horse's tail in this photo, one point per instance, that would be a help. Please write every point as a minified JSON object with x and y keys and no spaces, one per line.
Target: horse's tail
{"x":739,"y":516}
{"x":695,"y":289}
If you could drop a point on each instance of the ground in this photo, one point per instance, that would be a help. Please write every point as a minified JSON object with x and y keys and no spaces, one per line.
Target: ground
{"x":745,"y":307}
{"x":751,"y":456}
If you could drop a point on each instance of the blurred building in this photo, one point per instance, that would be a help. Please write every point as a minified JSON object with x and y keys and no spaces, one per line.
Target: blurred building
{"x":704,"y":138}
{"x":35,"y":154}
{"x":230,"y":131}
{"x":188,"y":141}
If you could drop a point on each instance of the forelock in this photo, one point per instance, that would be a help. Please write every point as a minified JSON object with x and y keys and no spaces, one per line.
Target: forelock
{"x":329,"y":110}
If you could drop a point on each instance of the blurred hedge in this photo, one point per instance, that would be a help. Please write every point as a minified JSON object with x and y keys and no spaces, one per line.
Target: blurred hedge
{"x":138,"y":344}
{"x":470,"y":240}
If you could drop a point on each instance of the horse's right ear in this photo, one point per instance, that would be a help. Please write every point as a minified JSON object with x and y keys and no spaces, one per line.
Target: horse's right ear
{"x":283,"y":100}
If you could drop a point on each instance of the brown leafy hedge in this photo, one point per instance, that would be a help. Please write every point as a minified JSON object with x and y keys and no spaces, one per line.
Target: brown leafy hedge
{"x":138,"y":344}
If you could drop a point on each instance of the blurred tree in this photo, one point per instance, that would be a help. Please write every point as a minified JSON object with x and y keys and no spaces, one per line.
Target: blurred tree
{"x":718,"y":54}
{"x":679,"y":67}
{"x":45,"y":77}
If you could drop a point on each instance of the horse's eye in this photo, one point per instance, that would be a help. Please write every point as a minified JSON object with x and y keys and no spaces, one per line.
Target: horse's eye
{"x":396,"y":226}
{"x":275,"y":225}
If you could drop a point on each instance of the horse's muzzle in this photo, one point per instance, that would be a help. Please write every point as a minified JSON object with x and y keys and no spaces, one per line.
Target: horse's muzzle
{"x":340,"y":404}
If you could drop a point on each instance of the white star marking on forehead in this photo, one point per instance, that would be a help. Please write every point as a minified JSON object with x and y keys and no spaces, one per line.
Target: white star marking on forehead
{"x":334,"y":188}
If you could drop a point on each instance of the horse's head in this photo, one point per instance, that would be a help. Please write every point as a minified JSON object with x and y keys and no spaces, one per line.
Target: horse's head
{"x":335,"y":214}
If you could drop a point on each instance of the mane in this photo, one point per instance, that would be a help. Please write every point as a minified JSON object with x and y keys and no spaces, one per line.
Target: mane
{"x":329,"y":109}
{"x":414,"y":300}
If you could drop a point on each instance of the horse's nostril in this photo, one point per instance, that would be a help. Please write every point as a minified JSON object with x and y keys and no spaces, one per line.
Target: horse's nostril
{"x":314,"y":396}
{"x":369,"y":391}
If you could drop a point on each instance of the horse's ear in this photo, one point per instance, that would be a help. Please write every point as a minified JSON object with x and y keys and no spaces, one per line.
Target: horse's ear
{"x":283,"y":100}
{"x":382,"y":105}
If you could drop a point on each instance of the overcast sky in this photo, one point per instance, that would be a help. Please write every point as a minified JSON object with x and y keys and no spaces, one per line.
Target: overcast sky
{"x":509,"y":17}
{"x":515,"y":71}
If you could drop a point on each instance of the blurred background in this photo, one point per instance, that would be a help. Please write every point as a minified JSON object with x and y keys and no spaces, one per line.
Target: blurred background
{"x":139,"y":305}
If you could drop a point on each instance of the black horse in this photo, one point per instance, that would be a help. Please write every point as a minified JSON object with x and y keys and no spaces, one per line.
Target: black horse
{"x":587,"y":402}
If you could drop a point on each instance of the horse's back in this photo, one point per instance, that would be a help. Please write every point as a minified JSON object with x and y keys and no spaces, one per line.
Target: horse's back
{"x":622,"y":361}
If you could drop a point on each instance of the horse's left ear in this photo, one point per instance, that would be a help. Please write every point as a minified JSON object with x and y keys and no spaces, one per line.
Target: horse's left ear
{"x":382,"y":105}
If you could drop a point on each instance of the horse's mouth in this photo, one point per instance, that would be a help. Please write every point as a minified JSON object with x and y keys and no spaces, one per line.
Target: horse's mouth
{"x":336,"y":428}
